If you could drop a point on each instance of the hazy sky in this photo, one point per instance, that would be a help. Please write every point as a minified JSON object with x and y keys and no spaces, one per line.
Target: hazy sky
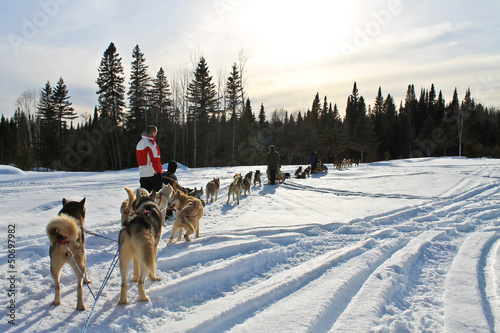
{"x":294,"y":48}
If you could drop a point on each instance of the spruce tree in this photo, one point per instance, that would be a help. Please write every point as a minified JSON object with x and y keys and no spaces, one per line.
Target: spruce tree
{"x":201,"y":94}
{"x":464,"y":112}
{"x":137,"y":119}
{"x":111,"y":99}
{"x":234,"y":92}
{"x":262,"y":117}
{"x":48,"y":151}
{"x":62,"y":105}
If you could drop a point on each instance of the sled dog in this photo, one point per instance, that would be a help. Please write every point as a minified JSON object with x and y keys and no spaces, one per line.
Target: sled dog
{"x":235,"y":187}
{"x":257,"y":178}
{"x":247,"y":182}
{"x":197,"y":194}
{"x":162,"y":200}
{"x":188,"y":212}
{"x":298,"y":171}
{"x":307,"y":172}
{"x":139,"y":240}
{"x":67,"y":240}
{"x":212,"y":189}
{"x":126,"y":207}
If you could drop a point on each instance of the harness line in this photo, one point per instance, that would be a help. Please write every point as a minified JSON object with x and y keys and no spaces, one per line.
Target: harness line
{"x":108,"y":274}
{"x":79,"y":270}
{"x":94,"y":234}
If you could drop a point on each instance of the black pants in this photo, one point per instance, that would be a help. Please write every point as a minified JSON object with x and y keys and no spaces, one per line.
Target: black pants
{"x":151,"y":183}
{"x":272,"y":176}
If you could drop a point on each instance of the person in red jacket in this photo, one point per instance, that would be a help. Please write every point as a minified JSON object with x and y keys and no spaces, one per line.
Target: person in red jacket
{"x":149,"y":160}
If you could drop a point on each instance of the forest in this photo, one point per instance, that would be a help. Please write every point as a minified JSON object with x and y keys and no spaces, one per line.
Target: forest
{"x":204,"y":123}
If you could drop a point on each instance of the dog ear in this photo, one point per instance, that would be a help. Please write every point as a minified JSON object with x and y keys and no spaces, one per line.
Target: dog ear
{"x":152,"y":195}
{"x":64,"y":202}
{"x":83,"y":202}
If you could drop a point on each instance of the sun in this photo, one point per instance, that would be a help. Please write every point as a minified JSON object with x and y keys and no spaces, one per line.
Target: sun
{"x":296,"y":31}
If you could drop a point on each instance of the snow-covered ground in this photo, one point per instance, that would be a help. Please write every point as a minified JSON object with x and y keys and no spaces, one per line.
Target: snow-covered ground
{"x":400,"y":246}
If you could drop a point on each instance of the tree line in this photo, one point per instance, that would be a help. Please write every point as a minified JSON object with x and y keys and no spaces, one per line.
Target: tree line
{"x":207,"y":122}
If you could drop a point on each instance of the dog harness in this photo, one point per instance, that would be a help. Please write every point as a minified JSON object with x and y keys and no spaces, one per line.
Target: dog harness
{"x":197,"y":207}
{"x":63,"y":242}
{"x":161,"y":195}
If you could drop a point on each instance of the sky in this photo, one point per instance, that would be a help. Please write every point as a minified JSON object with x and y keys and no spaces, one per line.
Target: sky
{"x":293,"y":49}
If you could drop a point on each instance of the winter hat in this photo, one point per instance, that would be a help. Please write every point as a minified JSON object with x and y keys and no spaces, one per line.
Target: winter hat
{"x":172,"y":166}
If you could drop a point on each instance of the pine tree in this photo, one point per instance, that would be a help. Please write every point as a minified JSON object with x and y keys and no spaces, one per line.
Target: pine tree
{"x":352,"y":113}
{"x":315,"y":109}
{"x":234,"y":92}
{"x":449,"y":122}
{"x":364,"y":139}
{"x":137,"y":120}
{"x":160,"y":106}
{"x":262,"y":117}
{"x":377,"y":115}
{"x":202,"y":96}
{"x":62,"y":105}
{"x":464,"y":112}
{"x":48,"y":151}
{"x":112,"y":101}
{"x":160,"y":95}
{"x":408,"y":117}
{"x":389,"y":140}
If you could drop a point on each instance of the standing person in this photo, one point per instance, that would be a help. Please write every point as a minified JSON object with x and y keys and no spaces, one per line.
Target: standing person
{"x":314,"y":160}
{"x":273,"y":162}
{"x":149,"y":160}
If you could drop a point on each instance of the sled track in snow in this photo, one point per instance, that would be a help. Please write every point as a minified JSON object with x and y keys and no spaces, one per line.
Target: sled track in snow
{"x":376,"y":274}
{"x":309,"y":278}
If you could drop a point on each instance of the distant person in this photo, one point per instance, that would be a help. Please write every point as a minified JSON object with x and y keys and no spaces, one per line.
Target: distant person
{"x":149,"y":160}
{"x":314,"y":160}
{"x":273,"y":162}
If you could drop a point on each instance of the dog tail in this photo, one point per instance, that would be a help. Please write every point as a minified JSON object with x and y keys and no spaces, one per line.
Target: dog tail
{"x":131,"y":197}
{"x":62,"y":228}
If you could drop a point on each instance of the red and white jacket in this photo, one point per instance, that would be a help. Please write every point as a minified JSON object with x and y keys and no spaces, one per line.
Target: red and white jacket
{"x":148,"y":156}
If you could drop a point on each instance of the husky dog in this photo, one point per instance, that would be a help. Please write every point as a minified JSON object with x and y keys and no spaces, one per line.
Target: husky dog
{"x":235,"y":187}
{"x":212,"y":189}
{"x":197,"y":194}
{"x":188,"y":212}
{"x":162,"y":200}
{"x":67,"y":240}
{"x":301,"y":175}
{"x":257,"y":178}
{"x":126,"y":207}
{"x":247,"y":182}
{"x":139,"y":240}
{"x":307,"y":171}
{"x":298,"y":171}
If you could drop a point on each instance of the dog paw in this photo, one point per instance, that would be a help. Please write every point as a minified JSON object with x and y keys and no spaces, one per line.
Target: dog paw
{"x":155,"y":278}
{"x":56,"y":303}
{"x":81,"y":308}
{"x":135,"y":279}
{"x":87,"y":282}
{"x":145,"y":299}
{"x":122,"y":302}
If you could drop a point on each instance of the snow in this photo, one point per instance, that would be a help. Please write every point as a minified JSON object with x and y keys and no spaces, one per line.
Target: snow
{"x":398,"y":246}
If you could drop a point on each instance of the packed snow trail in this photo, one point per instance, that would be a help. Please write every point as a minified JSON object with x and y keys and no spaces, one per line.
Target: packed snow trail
{"x":388,"y":246}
